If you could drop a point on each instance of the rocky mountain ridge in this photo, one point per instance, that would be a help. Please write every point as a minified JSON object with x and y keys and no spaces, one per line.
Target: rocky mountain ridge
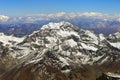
{"x":61,"y":51}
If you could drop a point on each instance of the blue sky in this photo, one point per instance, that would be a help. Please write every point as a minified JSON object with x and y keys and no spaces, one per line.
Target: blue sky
{"x":26,"y":7}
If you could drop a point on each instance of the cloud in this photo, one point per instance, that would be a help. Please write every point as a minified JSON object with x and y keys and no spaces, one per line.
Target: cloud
{"x":62,"y":16}
{"x":3,"y":18}
{"x":93,"y":14}
{"x":118,"y":19}
{"x":70,"y":15}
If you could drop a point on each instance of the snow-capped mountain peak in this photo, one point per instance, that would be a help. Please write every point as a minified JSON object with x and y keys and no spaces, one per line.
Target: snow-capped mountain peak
{"x":56,"y":25}
{"x":63,"y":49}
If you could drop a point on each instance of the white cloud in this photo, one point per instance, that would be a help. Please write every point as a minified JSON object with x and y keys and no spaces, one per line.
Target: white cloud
{"x":3,"y":18}
{"x":29,"y":19}
{"x":60,"y":14}
{"x":70,"y":15}
{"x":64,"y":16}
{"x":93,"y":14}
{"x":118,"y":19}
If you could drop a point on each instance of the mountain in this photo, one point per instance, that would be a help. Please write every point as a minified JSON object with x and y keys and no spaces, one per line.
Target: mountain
{"x":19,"y":29}
{"x":26,"y":25}
{"x":61,"y":51}
{"x":9,"y":40}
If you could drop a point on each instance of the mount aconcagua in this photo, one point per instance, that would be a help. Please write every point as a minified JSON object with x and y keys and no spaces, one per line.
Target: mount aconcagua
{"x":60,"y":51}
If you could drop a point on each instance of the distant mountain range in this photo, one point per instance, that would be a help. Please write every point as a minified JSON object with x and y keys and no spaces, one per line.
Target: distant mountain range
{"x":97,"y":22}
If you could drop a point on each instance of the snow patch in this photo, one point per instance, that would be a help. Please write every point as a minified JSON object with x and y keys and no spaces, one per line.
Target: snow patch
{"x":102,"y":37}
{"x":71,"y":42}
{"x":64,"y":61}
{"x":92,"y":35}
{"x":85,"y":46}
{"x":117,"y":45}
{"x":113,"y":75}
{"x":9,"y":39}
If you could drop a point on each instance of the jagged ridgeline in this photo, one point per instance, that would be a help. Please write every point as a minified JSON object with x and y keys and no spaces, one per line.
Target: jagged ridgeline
{"x":60,"y":51}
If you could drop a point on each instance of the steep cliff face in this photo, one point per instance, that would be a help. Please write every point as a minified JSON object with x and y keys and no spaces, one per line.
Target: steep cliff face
{"x":61,"y":51}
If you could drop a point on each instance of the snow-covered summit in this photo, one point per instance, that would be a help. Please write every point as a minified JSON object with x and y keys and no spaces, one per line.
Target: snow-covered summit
{"x":68,"y":40}
{"x":52,"y":25}
{"x":64,"y":48}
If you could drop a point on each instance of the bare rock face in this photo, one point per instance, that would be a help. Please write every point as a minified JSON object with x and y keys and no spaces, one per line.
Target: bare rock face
{"x":60,"y":51}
